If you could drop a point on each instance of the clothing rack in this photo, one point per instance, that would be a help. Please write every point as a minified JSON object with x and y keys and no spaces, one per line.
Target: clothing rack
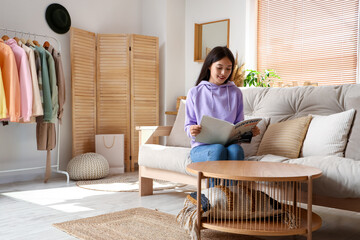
{"x":58,"y":122}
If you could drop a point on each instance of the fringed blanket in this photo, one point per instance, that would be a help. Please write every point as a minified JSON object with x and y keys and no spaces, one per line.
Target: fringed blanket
{"x":231,"y":203}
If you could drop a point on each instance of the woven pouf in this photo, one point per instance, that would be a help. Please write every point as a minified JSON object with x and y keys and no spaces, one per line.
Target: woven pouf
{"x":88,"y":166}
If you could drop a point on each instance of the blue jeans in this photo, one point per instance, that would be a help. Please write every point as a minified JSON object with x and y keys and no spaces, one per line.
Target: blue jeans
{"x":216,"y":152}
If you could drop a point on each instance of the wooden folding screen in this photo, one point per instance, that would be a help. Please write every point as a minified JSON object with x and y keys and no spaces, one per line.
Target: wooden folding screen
{"x":83,"y":84}
{"x":115,"y":88}
{"x":144,"y":87}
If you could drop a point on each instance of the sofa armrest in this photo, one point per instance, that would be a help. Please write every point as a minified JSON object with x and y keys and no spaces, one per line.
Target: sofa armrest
{"x":147,"y":134}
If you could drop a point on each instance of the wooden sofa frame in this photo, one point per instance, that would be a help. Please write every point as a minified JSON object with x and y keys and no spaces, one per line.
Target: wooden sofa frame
{"x":149,"y":135}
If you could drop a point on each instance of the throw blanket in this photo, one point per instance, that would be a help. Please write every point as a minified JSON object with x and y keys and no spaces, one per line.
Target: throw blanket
{"x":240,"y":203}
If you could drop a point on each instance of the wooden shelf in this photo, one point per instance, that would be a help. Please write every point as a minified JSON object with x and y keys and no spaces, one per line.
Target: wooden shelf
{"x":263,"y":228}
{"x":171,"y":113}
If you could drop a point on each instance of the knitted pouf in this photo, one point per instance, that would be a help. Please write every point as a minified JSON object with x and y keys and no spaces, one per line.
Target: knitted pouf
{"x":88,"y":166}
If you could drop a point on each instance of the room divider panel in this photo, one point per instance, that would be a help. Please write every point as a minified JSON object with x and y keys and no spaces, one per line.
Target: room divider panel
{"x":126,"y":90}
{"x":83,"y":88}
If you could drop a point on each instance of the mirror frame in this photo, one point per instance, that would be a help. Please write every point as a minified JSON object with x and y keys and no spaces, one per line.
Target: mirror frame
{"x":198,"y":38}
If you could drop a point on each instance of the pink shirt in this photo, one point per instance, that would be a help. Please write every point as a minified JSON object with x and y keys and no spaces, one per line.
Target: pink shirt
{"x":26,"y":92}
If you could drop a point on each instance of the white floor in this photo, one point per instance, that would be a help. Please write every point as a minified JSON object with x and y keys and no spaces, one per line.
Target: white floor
{"x":28,"y":210}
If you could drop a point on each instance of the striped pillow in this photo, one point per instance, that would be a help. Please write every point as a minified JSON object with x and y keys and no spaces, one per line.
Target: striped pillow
{"x":285,"y":138}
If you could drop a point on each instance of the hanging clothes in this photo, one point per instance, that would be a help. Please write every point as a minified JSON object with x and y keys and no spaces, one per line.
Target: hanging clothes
{"x":26,"y":92}
{"x":47,"y":104}
{"x":45,"y":131}
{"x":60,"y":78}
{"x":37,"y":109}
{"x":10,"y":79}
{"x":32,"y":84}
{"x":38,"y":73}
{"x":53,"y":86}
{"x":3,"y":108}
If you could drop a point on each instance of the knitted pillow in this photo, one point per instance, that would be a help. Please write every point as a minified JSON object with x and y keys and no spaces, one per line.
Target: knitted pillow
{"x":178,"y":136}
{"x":250,"y":149}
{"x":88,"y":166}
{"x":328,"y":135}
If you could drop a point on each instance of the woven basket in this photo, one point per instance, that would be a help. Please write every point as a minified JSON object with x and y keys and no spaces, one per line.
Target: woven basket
{"x":88,"y":166}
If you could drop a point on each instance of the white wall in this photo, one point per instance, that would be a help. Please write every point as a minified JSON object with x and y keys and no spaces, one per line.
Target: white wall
{"x":251,"y":35}
{"x":201,"y":11}
{"x":165,"y":19}
{"x":170,"y":20}
{"x":175,"y":56}
{"x":18,"y":141}
{"x":153,"y":22}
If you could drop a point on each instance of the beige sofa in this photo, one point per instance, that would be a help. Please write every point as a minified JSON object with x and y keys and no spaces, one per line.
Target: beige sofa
{"x":339,"y":187}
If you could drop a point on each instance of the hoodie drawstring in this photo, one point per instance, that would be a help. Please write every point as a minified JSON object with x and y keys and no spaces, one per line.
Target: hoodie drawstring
{"x":212,"y":98}
{"x":227,"y":89}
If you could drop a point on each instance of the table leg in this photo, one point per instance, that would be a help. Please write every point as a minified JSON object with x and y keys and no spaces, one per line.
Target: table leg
{"x":309,"y":209}
{"x":199,"y":203}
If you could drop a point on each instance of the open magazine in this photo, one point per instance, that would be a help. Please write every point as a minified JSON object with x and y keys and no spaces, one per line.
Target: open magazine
{"x":215,"y":130}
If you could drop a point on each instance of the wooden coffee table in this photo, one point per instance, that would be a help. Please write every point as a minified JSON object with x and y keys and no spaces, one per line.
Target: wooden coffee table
{"x":283,"y":182}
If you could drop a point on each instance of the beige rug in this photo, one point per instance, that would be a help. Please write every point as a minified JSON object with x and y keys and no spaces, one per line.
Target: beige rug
{"x":137,"y":224}
{"x":126,"y":182}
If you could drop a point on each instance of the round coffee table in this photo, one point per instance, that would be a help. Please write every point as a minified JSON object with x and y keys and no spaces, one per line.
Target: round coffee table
{"x":270,"y":186}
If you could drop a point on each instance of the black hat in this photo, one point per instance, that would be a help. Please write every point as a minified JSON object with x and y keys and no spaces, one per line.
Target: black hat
{"x":58,"y":18}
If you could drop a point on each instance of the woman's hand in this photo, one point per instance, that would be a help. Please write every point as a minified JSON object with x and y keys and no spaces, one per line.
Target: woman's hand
{"x":195,"y":130}
{"x":255,"y":131}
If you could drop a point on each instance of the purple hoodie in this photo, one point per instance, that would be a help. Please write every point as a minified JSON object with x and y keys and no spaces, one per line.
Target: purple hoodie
{"x":223,"y":102}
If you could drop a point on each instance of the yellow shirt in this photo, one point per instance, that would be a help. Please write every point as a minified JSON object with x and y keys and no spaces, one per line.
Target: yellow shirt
{"x":3,"y":108}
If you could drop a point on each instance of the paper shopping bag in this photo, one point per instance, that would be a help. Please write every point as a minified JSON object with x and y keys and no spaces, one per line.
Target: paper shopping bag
{"x":111,"y":146}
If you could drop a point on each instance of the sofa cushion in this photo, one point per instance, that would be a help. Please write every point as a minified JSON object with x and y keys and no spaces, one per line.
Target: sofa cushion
{"x":267,"y":158}
{"x":178,"y":136}
{"x":327,"y":135}
{"x":352,"y":100}
{"x":164,"y":157}
{"x":250,"y":149}
{"x":287,"y":103}
{"x":285,"y":138}
{"x":340,"y":179}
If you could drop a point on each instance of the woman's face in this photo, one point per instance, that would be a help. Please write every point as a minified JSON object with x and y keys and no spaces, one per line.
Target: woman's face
{"x":220,"y":71}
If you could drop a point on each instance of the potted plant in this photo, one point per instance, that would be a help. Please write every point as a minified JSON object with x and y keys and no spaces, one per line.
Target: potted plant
{"x":260,"y":79}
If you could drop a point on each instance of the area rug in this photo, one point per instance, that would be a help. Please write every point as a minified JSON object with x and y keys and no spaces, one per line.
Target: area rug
{"x":137,"y":224}
{"x":126,"y":182}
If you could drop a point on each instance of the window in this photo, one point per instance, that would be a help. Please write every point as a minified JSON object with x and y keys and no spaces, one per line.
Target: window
{"x":309,"y":41}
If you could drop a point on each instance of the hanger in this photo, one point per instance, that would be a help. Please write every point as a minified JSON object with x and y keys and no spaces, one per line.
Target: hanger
{"x":30,"y":43}
{"x":16,"y":39}
{"x":5,"y":37}
{"x":22,"y":39}
{"x":36,"y":43}
{"x":46,"y":45}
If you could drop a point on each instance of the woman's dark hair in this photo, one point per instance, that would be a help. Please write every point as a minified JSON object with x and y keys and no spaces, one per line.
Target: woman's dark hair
{"x":216,"y":54}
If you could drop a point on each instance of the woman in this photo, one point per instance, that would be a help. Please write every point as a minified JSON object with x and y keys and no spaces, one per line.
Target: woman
{"x":214,"y":95}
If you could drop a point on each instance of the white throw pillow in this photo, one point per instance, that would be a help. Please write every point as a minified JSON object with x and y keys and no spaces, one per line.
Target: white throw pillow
{"x":178,"y":136}
{"x":250,"y":149}
{"x":328,"y":135}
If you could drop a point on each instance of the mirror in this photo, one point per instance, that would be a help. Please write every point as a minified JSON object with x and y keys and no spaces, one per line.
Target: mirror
{"x":209,"y":35}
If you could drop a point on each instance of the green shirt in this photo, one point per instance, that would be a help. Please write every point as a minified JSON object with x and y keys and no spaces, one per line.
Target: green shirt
{"x":47,"y":104}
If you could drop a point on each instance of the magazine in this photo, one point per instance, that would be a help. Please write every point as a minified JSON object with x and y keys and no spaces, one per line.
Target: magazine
{"x":215,"y":130}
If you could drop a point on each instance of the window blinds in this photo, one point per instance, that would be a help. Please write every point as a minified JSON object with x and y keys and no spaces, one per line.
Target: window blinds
{"x":304,"y":40}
